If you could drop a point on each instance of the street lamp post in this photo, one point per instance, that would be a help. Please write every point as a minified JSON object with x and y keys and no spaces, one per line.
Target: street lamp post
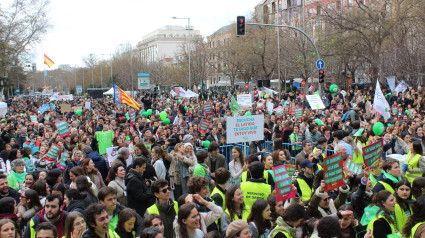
{"x":188,"y":44}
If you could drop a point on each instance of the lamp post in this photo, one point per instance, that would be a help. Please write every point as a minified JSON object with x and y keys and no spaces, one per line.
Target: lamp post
{"x":188,"y":39}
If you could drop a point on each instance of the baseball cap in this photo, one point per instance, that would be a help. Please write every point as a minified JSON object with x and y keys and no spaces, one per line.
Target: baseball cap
{"x":306,"y":163}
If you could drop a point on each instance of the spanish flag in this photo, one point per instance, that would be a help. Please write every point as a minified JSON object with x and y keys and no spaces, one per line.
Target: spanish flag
{"x":48,"y":61}
{"x":122,"y":97}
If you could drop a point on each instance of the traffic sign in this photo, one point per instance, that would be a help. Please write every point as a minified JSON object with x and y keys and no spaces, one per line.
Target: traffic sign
{"x":303,"y":83}
{"x":320,"y":64}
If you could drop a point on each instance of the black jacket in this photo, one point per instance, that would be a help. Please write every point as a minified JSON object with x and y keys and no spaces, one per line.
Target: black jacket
{"x":71,"y":164}
{"x":76,"y":206}
{"x":360,"y":200}
{"x":13,"y":194}
{"x":139,"y":196}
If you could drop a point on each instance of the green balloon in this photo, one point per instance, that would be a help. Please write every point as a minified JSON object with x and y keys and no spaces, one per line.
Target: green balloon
{"x":206,"y":143}
{"x":333,"y":88}
{"x":145,"y":114}
{"x":180,"y":101}
{"x":163,"y":115}
{"x":127,"y":116}
{"x":185,"y":108}
{"x":78,"y":112}
{"x":319,"y":122}
{"x":248,"y":113}
{"x":166,"y":121}
{"x":378,"y":128}
{"x":317,"y":93}
{"x":149,"y":111}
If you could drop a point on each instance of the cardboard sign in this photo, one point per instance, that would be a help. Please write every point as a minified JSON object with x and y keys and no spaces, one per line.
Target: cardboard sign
{"x":53,"y":152}
{"x":334,"y":173}
{"x":63,"y":128}
{"x":203,"y":126}
{"x":372,"y":153}
{"x":290,"y":168}
{"x":299,"y":113}
{"x":132,"y":115}
{"x":43,"y":108}
{"x":65,"y":108}
{"x":77,"y":108}
{"x":244,"y":100}
{"x":354,"y":168}
{"x":64,"y":158}
{"x":33,"y":118}
{"x":279,"y":111}
{"x":283,"y":184}
{"x":207,"y":107}
{"x":244,"y":128}
{"x":315,"y":102}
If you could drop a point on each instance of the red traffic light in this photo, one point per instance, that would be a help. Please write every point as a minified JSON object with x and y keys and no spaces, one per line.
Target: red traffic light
{"x":321,"y":72}
{"x":242,"y":20}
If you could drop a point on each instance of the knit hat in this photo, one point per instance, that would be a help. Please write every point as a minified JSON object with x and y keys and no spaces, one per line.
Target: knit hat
{"x":187,"y":144}
{"x":236,"y":227}
{"x":187,"y":138}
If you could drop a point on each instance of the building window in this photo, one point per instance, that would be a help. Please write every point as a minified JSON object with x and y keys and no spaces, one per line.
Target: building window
{"x":289,"y":3}
{"x":319,"y":10}
{"x":273,"y":7}
{"x":338,"y":4}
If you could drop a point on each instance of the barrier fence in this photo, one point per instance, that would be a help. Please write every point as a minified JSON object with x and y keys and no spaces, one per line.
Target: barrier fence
{"x":226,"y":150}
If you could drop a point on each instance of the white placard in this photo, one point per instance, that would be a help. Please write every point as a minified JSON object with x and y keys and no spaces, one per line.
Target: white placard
{"x":245,"y":128}
{"x":315,"y":102}
{"x":244,"y":100}
{"x":270,"y":106}
{"x":87,"y":105}
{"x":69,"y":97}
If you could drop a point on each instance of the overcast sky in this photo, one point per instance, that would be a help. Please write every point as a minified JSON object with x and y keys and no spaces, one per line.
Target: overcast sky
{"x":82,"y":27}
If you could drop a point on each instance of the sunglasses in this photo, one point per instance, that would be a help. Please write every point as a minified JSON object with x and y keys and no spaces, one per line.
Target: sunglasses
{"x":165,"y":190}
{"x":326,"y":199}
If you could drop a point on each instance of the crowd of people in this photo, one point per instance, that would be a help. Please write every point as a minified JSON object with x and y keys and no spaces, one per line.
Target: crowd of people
{"x":166,"y":181}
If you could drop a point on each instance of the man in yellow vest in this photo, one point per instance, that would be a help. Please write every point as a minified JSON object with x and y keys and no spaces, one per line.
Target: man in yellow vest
{"x":164,"y":206}
{"x":255,"y":188}
{"x":304,"y":181}
{"x":390,"y":176}
{"x":286,"y":225}
{"x":266,"y":175}
{"x":218,"y":194}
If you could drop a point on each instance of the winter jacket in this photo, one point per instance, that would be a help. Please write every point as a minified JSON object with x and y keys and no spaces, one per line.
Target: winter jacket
{"x":361,"y":199}
{"x":314,"y":210}
{"x":76,"y":206}
{"x":99,"y":163}
{"x":39,"y":218}
{"x":13,"y":194}
{"x":139,"y":196}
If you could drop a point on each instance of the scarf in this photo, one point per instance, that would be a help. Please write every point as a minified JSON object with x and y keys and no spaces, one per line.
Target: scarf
{"x":19,"y":176}
{"x":281,"y":225}
{"x":330,"y":210}
{"x":390,"y":177}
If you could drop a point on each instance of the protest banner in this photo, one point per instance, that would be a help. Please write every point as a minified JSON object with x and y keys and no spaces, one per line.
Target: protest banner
{"x":63,"y":128}
{"x":334,"y":173}
{"x":315,"y":102}
{"x":43,"y":108}
{"x":353,"y":167}
{"x":142,"y":109}
{"x":207,"y":107}
{"x":132,"y":115}
{"x":411,"y":113}
{"x":283,"y":184}
{"x":292,"y":108}
{"x":64,"y":158}
{"x":395,"y":109}
{"x":372,"y":153}
{"x":260,"y":105}
{"x":69,"y":97}
{"x":53,"y":152}
{"x":269,"y":107}
{"x":87,"y":105}
{"x":65,"y":108}
{"x":244,"y":128}
{"x":279,"y":111}
{"x":291,"y":169}
{"x":33,"y":118}
{"x":203,"y":126}
{"x":299,"y":113}
{"x":244,"y":100}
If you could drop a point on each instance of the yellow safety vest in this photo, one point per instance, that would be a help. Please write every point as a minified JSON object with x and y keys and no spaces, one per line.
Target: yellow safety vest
{"x":113,"y":222}
{"x":32,"y":229}
{"x":387,"y":186}
{"x":245,"y":214}
{"x":370,"y":227}
{"x":401,"y":216}
{"x":218,"y":191}
{"x":253,"y":191}
{"x":412,"y":234}
{"x":316,"y":149}
{"x":413,"y":164}
{"x":358,"y":158}
{"x":373,"y":180}
{"x":154,"y":209}
{"x":306,"y":191}
{"x":265,"y":176}
{"x":113,"y":234}
{"x":284,"y":232}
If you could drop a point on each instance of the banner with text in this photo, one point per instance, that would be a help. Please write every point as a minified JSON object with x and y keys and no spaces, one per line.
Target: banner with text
{"x":283,"y":184}
{"x":244,"y":128}
{"x":63,"y":128}
{"x":279,"y":111}
{"x":315,"y":102}
{"x":334,"y":173}
{"x":372,"y":153}
{"x":208,"y":111}
{"x":203,"y":126}
{"x":33,"y":118}
{"x":53,"y":152}
{"x":299,"y":113}
{"x":64,"y":158}
{"x":132,"y":115}
{"x":244,"y":100}
{"x":353,"y":167}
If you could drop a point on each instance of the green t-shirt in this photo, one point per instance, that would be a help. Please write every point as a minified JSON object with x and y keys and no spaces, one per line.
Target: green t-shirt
{"x":294,"y":137}
{"x":199,"y":170}
{"x":105,"y":140}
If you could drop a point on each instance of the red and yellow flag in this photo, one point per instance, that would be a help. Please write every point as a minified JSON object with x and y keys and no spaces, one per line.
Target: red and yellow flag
{"x":48,"y":61}
{"x":122,"y":97}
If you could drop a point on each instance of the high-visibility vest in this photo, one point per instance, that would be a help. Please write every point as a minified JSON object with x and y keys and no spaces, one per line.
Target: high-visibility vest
{"x":113,"y":234}
{"x":154,"y":209}
{"x":306,"y":191}
{"x":319,"y":167}
{"x":412,"y":161}
{"x":218,"y":191}
{"x":412,"y":234}
{"x":265,"y":176}
{"x":272,"y":235}
{"x":245,"y":214}
{"x":253,"y":191}
{"x":387,"y":186}
{"x":113,"y":222}
{"x":393,"y":231}
{"x":32,"y":229}
{"x":373,"y":180}
{"x":358,"y":158}
{"x":401,"y":216}
{"x":323,"y":153}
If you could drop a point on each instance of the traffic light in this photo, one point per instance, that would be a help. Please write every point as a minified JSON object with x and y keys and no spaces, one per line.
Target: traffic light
{"x":240,"y":26}
{"x":321,"y":76}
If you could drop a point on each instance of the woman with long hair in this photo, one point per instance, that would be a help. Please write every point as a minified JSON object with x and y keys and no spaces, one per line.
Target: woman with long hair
{"x":8,"y":229}
{"x":415,"y":225}
{"x":116,"y":175}
{"x":403,"y":206}
{"x":281,"y":157}
{"x":418,"y":187}
{"x":126,"y":220}
{"x":188,"y":220}
{"x":235,"y":207}
{"x":383,"y":222}
{"x":74,"y":173}
{"x":259,"y":219}
{"x":29,"y":205}
{"x":74,"y":201}
{"x":42,"y":190}
{"x":276,"y":209}
{"x":414,"y":162}
{"x":179,"y":170}
{"x":89,"y":170}
{"x":236,"y":166}
{"x":188,"y":148}
{"x":84,"y":186}
{"x":54,"y":176}
{"x":74,"y":225}
{"x":158,"y":155}
{"x":153,"y":221}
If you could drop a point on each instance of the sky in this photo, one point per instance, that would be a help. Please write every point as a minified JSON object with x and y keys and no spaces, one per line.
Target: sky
{"x":83,"y":27}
